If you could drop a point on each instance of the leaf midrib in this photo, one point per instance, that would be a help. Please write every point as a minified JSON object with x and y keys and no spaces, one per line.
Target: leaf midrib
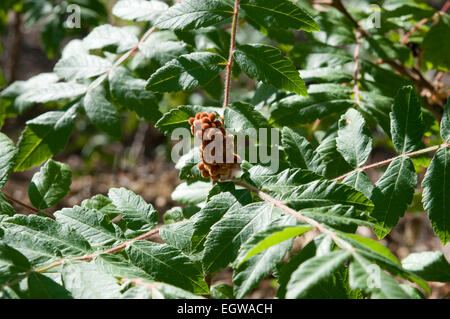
{"x":281,"y":13}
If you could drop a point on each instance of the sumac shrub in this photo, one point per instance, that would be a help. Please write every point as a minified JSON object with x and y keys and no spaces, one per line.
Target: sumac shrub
{"x":302,"y":91}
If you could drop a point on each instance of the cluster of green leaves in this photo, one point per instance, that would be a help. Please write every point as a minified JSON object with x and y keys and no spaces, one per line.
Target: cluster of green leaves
{"x":56,"y":18}
{"x":98,"y":249}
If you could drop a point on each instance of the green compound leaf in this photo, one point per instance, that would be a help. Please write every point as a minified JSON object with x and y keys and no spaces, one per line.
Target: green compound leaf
{"x":108,"y":35}
{"x":302,"y":189}
{"x":231,"y":231}
{"x":430,"y":265}
{"x":281,"y":14}
{"x":243,"y":118}
{"x":167,"y":264}
{"x":187,"y":72}
{"x":92,"y":225}
{"x":87,"y":281}
{"x":8,"y":154}
{"x":43,"y":287}
{"x":213,"y":211}
{"x":299,"y":151}
{"x":397,"y":189}
{"x":5,"y":207}
{"x":322,"y":100}
{"x":44,"y":136}
{"x":267,"y":238}
{"x":252,"y":271}
{"x":139,"y":10}
{"x":138,"y":215}
{"x":42,"y":240}
{"x":179,"y":117}
{"x":354,"y":141}
{"x":436,"y":50}
{"x":12,"y":264}
{"x":130,"y":92}
{"x":265,"y":63}
{"x":313,"y":271}
{"x":436,"y":193}
{"x":50,"y":184}
{"x":194,"y":14}
{"x":406,"y":121}
{"x":102,"y":113}
{"x":81,"y":67}
{"x":370,"y":278}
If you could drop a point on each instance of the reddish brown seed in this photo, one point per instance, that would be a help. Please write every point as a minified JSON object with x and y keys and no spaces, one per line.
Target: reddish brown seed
{"x":191,"y":120}
{"x":212,"y":116}
{"x":197,"y":116}
{"x":206,"y":120}
{"x":205,"y":126}
{"x":201,"y":166}
{"x":218,"y":123}
{"x":203,"y":114}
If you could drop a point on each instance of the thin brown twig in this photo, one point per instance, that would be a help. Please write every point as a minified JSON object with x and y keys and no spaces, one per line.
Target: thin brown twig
{"x":338,"y":5}
{"x":109,"y":251}
{"x":414,"y":74}
{"x":320,"y":227}
{"x":388,"y":161}
{"x":230,"y":58}
{"x":16,"y":45}
{"x":314,"y":128}
{"x":122,"y":59}
{"x":356,"y":66}
{"x":417,"y":26}
{"x":30,"y":209}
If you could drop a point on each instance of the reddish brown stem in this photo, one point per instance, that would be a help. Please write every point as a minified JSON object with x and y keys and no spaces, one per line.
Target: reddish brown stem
{"x":320,"y":227}
{"x":30,"y":209}
{"x":356,"y":66}
{"x":338,"y":5}
{"x":417,"y":26}
{"x":230,"y":57}
{"x":109,"y":251}
{"x":388,"y":161}
{"x":16,"y":42}
{"x":122,"y":59}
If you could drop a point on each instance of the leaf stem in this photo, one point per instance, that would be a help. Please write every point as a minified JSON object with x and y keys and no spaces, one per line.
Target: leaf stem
{"x":122,"y":59}
{"x":109,"y":251}
{"x":388,"y":161}
{"x":417,"y":26}
{"x":30,"y":209}
{"x":356,"y":66}
{"x":338,"y":5}
{"x":415,"y":75}
{"x":230,"y":57}
{"x":319,"y":226}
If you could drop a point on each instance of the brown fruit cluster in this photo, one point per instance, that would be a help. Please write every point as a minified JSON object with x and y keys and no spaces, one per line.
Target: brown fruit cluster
{"x":208,"y":128}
